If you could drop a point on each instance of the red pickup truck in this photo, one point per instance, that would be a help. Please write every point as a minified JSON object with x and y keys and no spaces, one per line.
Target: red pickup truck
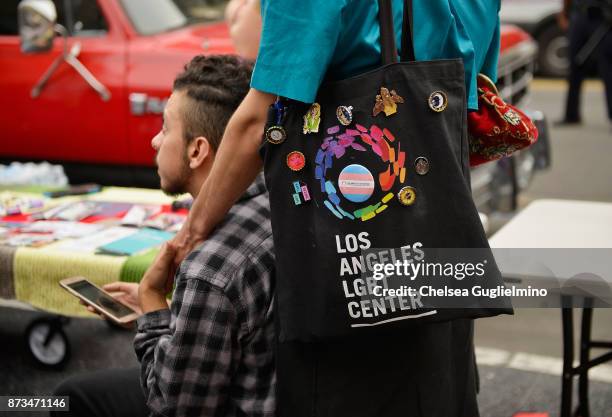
{"x":134,"y":49}
{"x":101,"y":130}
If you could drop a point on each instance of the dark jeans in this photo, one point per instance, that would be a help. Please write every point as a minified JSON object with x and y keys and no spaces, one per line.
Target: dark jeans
{"x":582,"y":27}
{"x":114,"y":392}
{"x":427,"y":371}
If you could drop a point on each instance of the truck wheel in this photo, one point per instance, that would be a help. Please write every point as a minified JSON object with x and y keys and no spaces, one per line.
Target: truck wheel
{"x":552,"y":54}
{"x":47,"y":343}
{"x":524,"y":168}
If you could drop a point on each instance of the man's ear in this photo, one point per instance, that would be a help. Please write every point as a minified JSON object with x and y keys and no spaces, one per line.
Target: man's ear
{"x":198,"y":151}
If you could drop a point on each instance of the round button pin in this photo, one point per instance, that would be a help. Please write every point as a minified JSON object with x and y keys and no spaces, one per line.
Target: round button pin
{"x":356,"y":183}
{"x":438,"y":101}
{"x":296,"y":161}
{"x":421,"y":165}
{"x":407,"y":196}
{"x":276,"y":135}
{"x":345,"y":114}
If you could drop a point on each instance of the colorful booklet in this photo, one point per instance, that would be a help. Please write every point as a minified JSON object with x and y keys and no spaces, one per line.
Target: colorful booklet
{"x":140,"y":241}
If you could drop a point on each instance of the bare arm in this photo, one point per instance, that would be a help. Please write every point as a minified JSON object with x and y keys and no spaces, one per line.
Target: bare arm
{"x":236,"y":165}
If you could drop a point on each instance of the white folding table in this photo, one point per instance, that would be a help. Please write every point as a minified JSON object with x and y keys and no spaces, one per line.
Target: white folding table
{"x":565,"y":224}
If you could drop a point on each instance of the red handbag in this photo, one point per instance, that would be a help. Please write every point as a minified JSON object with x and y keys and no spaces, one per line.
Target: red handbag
{"x":497,"y":129}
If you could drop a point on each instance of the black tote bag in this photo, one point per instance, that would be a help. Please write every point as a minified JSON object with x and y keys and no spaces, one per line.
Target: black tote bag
{"x":384,"y":165}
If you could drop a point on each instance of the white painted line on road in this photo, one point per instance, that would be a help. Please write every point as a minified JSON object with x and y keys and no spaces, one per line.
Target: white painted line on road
{"x":535,"y":363}
{"x":542,"y":84}
{"x":492,"y":357}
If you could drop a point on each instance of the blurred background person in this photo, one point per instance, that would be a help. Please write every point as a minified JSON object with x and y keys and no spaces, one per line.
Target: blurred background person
{"x":589,"y":24}
{"x":244,"y":21}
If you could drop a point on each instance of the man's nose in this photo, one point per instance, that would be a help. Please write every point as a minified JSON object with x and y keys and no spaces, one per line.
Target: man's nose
{"x":156,"y":141}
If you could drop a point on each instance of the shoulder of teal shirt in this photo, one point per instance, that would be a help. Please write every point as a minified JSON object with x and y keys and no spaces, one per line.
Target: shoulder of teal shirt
{"x":345,"y":38}
{"x":298,"y":41}
{"x":298,"y":52}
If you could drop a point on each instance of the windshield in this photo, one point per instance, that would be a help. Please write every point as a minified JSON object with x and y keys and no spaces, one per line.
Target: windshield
{"x":150,"y":17}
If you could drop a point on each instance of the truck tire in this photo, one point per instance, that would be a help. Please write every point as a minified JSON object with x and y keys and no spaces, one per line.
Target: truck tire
{"x":503,"y":187}
{"x":552,"y":54}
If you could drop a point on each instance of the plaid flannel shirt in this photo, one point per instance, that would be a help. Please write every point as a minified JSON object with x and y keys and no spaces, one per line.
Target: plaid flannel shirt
{"x":212,"y":353}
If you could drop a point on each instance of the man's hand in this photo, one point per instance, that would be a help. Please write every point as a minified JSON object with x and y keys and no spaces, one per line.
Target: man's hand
{"x":185,"y":241}
{"x":158,"y":280}
{"x":126,"y":292}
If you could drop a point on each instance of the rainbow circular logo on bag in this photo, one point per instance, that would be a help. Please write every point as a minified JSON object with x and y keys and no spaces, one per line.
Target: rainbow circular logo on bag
{"x":348,"y":195}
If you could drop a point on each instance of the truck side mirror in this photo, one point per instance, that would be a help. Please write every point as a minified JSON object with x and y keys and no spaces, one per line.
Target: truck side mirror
{"x":36,"y":25}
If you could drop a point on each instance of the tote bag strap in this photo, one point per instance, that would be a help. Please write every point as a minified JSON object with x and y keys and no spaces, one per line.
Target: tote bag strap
{"x":387,"y":32}
{"x":407,"y":33}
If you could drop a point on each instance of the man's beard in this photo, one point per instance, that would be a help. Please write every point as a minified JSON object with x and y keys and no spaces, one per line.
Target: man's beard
{"x":177,"y":185}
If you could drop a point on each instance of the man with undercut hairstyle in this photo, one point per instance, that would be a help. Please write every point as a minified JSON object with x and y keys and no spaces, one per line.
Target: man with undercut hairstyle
{"x":211,"y":352}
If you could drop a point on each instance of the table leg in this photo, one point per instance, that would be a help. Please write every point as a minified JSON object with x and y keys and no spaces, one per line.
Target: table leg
{"x":583,"y":379}
{"x":567,"y":315}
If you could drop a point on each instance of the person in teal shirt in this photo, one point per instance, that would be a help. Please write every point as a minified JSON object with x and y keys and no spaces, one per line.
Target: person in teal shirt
{"x":305,"y":42}
{"x":430,"y":371}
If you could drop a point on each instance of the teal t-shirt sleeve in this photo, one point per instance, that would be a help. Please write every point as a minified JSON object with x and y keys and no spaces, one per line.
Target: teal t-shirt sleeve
{"x":297,"y":43}
{"x":489,"y":67}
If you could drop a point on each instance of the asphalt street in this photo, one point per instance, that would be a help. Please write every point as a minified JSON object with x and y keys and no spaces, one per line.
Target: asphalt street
{"x":519,"y":356}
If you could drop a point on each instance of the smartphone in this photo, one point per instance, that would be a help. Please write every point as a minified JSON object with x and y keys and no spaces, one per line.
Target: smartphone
{"x":99,"y":299}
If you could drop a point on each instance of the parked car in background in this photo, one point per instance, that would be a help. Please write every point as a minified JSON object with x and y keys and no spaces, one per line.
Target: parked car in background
{"x":539,"y":19}
{"x":94,"y":99}
{"x":133,"y":50}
